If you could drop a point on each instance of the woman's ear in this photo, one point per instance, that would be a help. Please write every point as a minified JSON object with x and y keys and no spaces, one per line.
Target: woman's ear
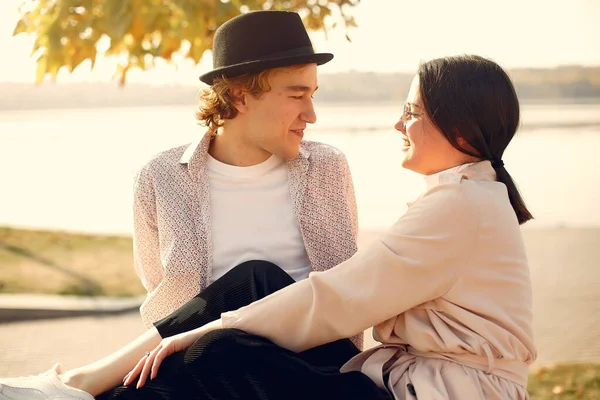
{"x":462,"y":143}
{"x":238,"y":97}
{"x":467,"y":148}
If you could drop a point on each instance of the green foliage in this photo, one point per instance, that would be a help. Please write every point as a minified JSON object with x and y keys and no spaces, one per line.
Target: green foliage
{"x":68,"y":32}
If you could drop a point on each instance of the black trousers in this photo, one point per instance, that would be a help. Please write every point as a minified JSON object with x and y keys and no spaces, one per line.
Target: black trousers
{"x":231,"y":364}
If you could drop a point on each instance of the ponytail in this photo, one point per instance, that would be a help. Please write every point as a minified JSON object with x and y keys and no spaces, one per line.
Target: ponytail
{"x":502,"y":175}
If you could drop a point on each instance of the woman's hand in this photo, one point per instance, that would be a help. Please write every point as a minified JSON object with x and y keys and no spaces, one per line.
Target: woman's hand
{"x":150,"y":362}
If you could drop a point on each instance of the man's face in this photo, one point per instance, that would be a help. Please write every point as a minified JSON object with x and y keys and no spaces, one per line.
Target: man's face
{"x":277,"y":119}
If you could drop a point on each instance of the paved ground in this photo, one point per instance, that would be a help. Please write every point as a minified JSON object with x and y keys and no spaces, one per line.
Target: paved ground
{"x":566,"y":280}
{"x":33,"y":346}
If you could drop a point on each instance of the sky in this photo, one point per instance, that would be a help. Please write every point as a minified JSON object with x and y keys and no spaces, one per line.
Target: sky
{"x":392,"y":36}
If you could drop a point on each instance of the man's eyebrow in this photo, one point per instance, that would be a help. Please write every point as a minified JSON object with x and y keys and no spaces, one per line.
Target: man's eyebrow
{"x":301,"y":88}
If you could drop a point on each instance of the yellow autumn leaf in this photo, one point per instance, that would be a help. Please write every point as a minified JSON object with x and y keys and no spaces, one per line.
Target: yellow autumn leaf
{"x":137,"y":28}
{"x":76,"y":54}
{"x":40,"y":71}
{"x":123,"y":74}
{"x":170,"y":45}
{"x":54,"y":64}
{"x":21,"y":27}
{"x":91,"y":54}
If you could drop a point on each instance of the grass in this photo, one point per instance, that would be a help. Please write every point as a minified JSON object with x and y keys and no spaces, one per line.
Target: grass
{"x":566,"y":382}
{"x":64,"y":263}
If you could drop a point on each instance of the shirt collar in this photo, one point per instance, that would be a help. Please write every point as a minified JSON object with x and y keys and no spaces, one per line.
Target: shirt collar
{"x":303,"y":153}
{"x":195,"y":149}
{"x":481,"y":170}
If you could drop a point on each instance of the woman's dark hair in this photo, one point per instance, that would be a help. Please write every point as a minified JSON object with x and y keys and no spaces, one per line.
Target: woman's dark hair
{"x":472,"y":98}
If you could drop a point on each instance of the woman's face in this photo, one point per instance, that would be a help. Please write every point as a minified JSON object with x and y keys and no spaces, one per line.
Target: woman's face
{"x":426,"y":149}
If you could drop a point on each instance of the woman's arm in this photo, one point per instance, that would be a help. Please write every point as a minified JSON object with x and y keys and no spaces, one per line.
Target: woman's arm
{"x":417,"y":260}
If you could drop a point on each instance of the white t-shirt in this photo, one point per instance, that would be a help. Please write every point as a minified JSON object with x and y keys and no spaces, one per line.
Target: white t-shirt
{"x":252,"y":218}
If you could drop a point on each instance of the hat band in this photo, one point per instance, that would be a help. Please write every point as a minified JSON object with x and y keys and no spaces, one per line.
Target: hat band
{"x":298,"y":51}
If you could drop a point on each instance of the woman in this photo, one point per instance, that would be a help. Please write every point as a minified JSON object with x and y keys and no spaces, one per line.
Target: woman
{"x":447,"y":287}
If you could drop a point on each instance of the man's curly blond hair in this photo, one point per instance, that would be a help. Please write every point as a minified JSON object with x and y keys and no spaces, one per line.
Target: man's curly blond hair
{"x":217,"y":102}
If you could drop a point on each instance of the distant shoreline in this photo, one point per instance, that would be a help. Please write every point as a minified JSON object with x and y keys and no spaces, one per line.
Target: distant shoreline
{"x":564,"y":85}
{"x":331,"y":103}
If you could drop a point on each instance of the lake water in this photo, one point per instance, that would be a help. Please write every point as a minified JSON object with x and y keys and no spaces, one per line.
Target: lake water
{"x":72,"y":169}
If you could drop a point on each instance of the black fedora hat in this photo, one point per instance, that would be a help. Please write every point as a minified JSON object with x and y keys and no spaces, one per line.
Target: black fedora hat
{"x":261,"y":40}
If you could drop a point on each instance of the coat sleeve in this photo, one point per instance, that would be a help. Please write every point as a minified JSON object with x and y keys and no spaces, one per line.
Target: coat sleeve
{"x":417,"y":260}
{"x":350,"y":224}
{"x":146,"y":253}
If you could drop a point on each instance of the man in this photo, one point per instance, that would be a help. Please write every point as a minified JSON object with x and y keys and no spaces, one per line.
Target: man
{"x":250,"y":189}
{"x":244,"y":211}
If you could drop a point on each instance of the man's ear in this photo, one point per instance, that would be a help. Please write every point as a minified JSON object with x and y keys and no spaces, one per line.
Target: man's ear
{"x":238,"y":97}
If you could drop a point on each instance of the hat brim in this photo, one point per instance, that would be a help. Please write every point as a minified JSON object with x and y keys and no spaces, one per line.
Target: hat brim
{"x":264,"y":64}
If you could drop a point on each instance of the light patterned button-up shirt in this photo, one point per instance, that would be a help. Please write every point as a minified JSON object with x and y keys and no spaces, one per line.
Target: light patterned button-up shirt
{"x":172,"y":220}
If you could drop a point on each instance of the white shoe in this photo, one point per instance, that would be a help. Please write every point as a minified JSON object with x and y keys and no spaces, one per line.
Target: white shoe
{"x":44,"y":386}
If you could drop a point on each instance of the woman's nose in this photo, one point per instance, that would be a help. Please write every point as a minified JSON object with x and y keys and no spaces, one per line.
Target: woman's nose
{"x":400,"y":126}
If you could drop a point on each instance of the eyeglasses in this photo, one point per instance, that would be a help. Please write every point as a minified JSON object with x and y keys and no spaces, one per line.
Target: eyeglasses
{"x":408,"y":112}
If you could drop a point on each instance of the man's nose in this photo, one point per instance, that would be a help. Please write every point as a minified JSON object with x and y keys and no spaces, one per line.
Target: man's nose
{"x":309,"y":115}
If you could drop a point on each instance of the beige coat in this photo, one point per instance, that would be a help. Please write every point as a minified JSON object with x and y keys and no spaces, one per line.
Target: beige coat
{"x":172,"y":220}
{"x":447,"y":289}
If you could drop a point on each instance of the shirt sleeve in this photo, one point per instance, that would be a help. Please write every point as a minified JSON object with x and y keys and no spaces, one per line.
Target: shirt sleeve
{"x":349,"y":196}
{"x":349,"y":224}
{"x":417,"y":260}
{"x":146,"y":253}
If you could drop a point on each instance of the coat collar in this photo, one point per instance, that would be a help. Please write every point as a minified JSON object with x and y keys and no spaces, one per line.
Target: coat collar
{"x":481,"y":170}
